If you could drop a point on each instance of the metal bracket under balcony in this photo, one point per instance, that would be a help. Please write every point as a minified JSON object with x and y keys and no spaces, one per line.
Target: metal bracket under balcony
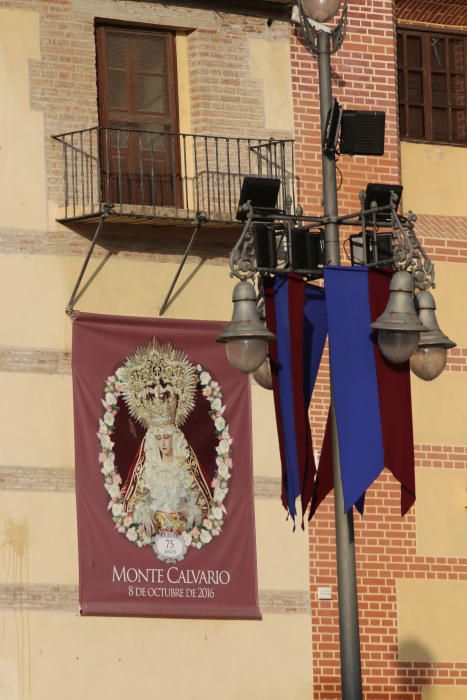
{"x":154,"y":177}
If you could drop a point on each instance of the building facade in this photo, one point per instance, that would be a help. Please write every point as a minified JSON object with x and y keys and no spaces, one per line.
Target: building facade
{"x":88,"y":89}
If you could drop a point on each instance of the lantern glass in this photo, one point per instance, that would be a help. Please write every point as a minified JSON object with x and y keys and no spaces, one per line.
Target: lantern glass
{"x":246,"y":354}
{"x":398,"y":346}
{"x":263,"y":374}
{"x":320,"y":10}
{"x":428,"y":362}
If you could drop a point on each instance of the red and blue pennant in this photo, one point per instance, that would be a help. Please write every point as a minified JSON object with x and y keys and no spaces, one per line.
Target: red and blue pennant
{"x":296,"y":313}
{"x":372,"y":397}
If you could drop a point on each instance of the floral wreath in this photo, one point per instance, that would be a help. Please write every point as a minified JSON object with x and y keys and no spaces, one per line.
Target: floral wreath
{"x":211,"y":526}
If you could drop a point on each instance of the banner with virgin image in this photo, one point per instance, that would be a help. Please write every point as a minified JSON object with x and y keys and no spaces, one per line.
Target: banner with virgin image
{"x":164,"y":479}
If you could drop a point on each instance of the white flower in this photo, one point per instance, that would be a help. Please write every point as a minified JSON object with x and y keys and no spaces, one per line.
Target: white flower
{"x":204,"y":377}
{"x":120,"y":373}
{"x":108,"y":459}
{"x":110,"y":399}
{"x":223,"y":469}
{"x":114,"y":491}
{"x":103,"y":429}
{"x":220,"y":424}
{"x":106,"y":442}
{"x":219,"y":494}
{"x":187,"y":538}
{"x":117,"y":509}
{"x":205,"y":536}
{"x":216,"y":404}
{"x":109,"y":418}
{"x":132,"y":534}
{"x":223,"y":447}
{"x":216,"y":513}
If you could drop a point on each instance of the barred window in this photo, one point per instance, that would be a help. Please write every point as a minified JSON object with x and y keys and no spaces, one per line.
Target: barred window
{"x":432,"y":76}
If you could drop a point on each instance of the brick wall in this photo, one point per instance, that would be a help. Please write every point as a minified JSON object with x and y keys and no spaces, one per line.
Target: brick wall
{"x":449,"y":14}
{"x":364,"y":77}
{"x":384,"y":553}
{"x":443,"y":237}
{"x":224,"y":97}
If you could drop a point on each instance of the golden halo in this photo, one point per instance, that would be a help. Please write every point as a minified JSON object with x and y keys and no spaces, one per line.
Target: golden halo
{"x":159,"y":380}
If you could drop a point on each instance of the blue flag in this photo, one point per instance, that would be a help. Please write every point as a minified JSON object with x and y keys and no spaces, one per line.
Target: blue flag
{"x":354,"y":381}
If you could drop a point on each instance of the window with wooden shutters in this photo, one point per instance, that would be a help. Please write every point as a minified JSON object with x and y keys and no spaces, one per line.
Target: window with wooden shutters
{"x":432,"y":74}
{"x":138,"y":116}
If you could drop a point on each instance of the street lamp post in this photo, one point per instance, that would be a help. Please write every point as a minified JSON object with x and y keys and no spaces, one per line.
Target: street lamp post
{"x":349,"y":636}
{"x":401,"y":333}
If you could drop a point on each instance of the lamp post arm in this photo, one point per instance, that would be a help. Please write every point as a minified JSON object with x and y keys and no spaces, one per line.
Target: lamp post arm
{"x":409,"y":253}
{"x":242,"y":255}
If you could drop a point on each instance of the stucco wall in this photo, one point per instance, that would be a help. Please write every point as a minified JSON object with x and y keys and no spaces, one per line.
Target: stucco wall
{"x":434,"y":178}
{"x":47,"y":650}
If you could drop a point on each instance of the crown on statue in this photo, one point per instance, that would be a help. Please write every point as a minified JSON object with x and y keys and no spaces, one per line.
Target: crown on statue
{"x":164,"y":414}
{"x":159,"y":385}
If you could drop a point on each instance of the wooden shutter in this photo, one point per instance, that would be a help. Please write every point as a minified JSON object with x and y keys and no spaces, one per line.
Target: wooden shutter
{"x":138,"y":115}
{"x":412,"y":87}
{"x":432,"y":76}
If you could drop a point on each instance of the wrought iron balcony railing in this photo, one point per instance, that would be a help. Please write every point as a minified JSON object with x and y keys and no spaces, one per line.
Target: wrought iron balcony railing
{"x":160,"y":175}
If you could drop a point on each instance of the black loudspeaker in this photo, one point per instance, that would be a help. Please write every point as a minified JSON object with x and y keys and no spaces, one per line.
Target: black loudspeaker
{"x":265,"y":246}
{"x":307,"y":250}
{"x":383,"y":245}
{"x":262,"y":192}
{"x":381,"y":194}
{"x":362,"y":133}
{"x":331,"y":130}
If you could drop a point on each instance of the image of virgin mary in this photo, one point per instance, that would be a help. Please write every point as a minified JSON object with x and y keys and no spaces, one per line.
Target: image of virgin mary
{"x":165,"y":489}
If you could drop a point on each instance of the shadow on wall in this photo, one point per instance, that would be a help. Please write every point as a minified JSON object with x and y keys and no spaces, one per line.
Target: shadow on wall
{"x":212,"y":241}
{"x":171,"y":243}
{"x":414,"y":667}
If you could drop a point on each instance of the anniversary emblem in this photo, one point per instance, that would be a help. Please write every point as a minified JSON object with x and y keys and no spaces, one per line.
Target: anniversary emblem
{"x":167,"y":500}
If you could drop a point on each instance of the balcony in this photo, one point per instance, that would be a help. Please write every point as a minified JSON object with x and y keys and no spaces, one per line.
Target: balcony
{"x":155,"y":177}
